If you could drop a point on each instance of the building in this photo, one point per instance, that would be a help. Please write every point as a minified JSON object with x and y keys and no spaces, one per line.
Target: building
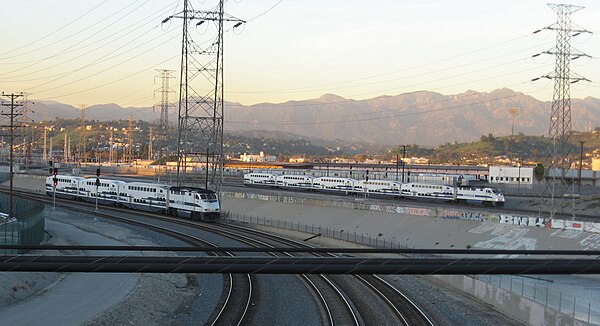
{"x":516,"y":175}
{"x":258,"y":158}
{"x":596,"y":164}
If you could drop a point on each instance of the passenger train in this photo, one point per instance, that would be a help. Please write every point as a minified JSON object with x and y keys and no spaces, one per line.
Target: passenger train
{"x":484,"y":195}
{"x":195,"y":203}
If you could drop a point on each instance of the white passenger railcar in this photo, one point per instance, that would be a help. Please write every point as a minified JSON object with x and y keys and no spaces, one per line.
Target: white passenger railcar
{"x":425,"y":190}
{"x":295,"y":181}
{"x":67,"y":186}
{"x":260,"y":179}
{"x":470,"y":194}
{"x":107,"y":191}
{"x":146,"y":196}
{"x":334,"y":184}
{"x":385,"y":187}
{"x":196,"y":203}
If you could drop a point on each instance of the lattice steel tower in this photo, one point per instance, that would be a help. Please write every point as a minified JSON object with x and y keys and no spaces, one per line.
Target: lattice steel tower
{"x":200,"y":124}
{"x":164,"y":105}
{"x":556,"y":171}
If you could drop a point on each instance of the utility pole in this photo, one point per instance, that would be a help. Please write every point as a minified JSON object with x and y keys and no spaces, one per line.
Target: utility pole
{"x":397,"y":159}
{"x":12,"y":115}
{"x":580,"y":164}
{"x":403,"y":159}
{"x":81,"y":150}
{"x":200,"y":112}
{"x":110,"y":149}
{"x":130,"y":140}
{"x":65,"y":150}
{"x":150,"y":145}
{"x":513,"y":112}
{"x":50,"y":150}
{"x":559,"y":148}
{"x":45,"y":150}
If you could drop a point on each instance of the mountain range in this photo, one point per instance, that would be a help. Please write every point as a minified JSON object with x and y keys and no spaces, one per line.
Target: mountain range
{"x":424,"y":118}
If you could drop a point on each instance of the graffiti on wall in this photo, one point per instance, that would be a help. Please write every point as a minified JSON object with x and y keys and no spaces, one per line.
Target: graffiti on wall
{"x":468,"y":216}
{"x":522,"y":220}
{"x":504,"y":237}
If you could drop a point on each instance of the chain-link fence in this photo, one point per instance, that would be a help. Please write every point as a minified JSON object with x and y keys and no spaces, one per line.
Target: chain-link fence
{"x":359,"y":238}
{"x":26,"y":227}
{"x":579,"y":304}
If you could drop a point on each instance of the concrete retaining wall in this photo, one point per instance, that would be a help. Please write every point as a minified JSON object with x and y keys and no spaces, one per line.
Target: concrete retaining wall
{"x":510,"y":303}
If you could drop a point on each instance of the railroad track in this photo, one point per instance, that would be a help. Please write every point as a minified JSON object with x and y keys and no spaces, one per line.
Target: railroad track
{"x":341,"y":302}
{"x":238,"y":288}
{"x":382,"y":293}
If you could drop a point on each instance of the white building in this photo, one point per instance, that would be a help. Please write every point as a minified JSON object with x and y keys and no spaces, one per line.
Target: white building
{"x":258,"y":158}
{"x":511,"y":175}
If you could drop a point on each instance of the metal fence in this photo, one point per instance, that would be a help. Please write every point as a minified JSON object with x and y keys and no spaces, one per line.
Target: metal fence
{"x":580,"y":307}
{"x":26,"y":227}
{"x":359,"y":238}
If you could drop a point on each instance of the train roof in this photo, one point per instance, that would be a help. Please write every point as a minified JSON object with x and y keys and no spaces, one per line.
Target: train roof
{"x":192,"y":189}
{"x":66,"y":176}
{"x":106,"y":180}
{"x":148,"y":184}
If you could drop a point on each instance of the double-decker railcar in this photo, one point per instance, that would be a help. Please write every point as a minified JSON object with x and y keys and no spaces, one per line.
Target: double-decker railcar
{"x":384,"y":187}
{"x":192,"y":202}
{"x":334,"y":184}
{"x":295,"y":181}
{"x":145,"y":196}
{"x":260,"y":179}
{"x":67,"y":186}
{"x":106,"y":191}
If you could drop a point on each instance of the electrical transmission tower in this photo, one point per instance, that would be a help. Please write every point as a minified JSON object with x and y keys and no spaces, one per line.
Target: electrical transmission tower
{"x":557,"y":157}
{"x":200,"y":111}
{"x":164,"y":105}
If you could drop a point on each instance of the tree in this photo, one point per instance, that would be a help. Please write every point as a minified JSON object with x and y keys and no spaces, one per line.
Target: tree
{"x":538,"y":171}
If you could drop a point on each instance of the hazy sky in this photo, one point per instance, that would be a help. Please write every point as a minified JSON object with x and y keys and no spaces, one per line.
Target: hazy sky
{"x":106,"y":51}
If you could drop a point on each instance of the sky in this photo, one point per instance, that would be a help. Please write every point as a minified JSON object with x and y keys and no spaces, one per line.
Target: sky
{"x":108,"y":51}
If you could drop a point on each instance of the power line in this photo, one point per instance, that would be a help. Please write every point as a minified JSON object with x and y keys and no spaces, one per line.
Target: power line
{"x":379,"y":118}
{"x":49,"y":34}
{"x":266,"y":11}
{"x":126,"y":32}
{"x":98,"y":61}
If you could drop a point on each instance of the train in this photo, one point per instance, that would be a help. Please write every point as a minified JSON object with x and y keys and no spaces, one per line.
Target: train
{"x":484,"y":195}
{"x":191,"y":202}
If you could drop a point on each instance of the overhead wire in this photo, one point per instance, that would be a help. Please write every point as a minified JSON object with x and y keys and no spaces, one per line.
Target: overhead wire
{"x":115,"y":80}
{"x":378,"y":118}
{"x":420,"y":74}
{"x":95,"y":63}
{"x":125,"y":32}
{"x":266,"y":11}
{"x":38,"y":61}
{"x":50,"y":34}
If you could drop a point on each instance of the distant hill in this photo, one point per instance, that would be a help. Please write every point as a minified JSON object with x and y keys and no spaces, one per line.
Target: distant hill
{"x":424,"y":118}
